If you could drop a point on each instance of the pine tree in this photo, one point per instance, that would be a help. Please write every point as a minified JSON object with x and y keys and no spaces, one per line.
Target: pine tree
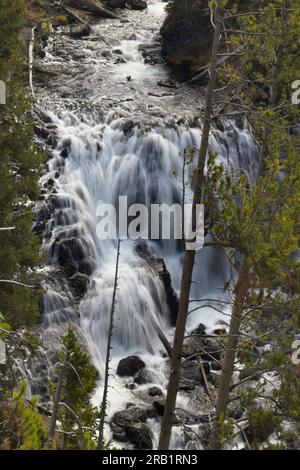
{"x":260,"y":221}
{"x":20,"y":165}
{"x":79,"y":419}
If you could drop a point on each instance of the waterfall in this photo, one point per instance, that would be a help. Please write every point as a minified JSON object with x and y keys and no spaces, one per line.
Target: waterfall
{"x":98,"y":157}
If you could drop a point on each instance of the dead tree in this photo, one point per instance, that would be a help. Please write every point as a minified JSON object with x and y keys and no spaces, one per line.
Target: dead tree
{"x":108,"y":353}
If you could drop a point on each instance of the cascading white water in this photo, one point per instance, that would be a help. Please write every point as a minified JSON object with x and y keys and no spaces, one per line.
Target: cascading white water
{"x":97,"y":160}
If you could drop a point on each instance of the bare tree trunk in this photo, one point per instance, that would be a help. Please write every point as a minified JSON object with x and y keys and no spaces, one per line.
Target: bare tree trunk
{"x":108,"y":350}
{"x":56,"y":399}
{"x":241,"y":293}
{"x":189,"y":257}
{"x":31,"y":47}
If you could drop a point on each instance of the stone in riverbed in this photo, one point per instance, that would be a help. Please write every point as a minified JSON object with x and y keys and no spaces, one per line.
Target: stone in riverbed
{"x":129,"y":426}
{"x":155,"y":392}
{"x":129,"y":366}
{"x":80,"y":30}
{"x":159,"y":406}
{"x":142,"y":377}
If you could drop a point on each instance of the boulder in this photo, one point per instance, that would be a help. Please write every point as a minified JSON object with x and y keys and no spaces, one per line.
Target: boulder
{"x":129,"y":366}
{"x":159,"y":406}
{"x":130,"y":426}
{"x":128,"y":127}
{"x":187,"y":34}
{"x":81,"y":30}
{"x":155,"y":392}
{"x":169,"y":83}
{"x":142,"y":377}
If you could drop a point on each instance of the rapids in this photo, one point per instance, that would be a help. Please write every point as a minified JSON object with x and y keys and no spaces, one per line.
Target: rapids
{"x":116,"y":136}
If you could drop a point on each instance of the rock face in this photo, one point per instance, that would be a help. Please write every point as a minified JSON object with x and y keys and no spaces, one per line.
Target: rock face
{"x":187,"y":34}
{"x":129,"y":366}
{"x":129,"y":426}
{"x":158,"y":265}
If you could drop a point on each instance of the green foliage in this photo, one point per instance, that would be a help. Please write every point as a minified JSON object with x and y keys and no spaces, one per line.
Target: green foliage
{"x":79,"y":386}
{"x":20,"y":165}
{"x":260,"y":219}
{"x":30,"y":426}
{"x":22,"y":426}
{"x":261,"y":423}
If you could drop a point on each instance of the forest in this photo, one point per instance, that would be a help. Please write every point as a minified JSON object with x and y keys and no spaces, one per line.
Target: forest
{"x":127,"y":320}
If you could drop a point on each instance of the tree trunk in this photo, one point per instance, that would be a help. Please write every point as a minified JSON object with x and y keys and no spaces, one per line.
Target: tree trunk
{"x":189,"y":256}
{"x":241,"y":293}
{"x":56,"y":399}
{"x":100,"y":444}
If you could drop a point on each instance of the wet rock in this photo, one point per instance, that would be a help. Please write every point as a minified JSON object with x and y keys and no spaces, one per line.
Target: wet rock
{"x":158,"y":265}
{"x":131,"y":386}
{"x":167,"y":83}
{"x":65,"y":153}
{"x":142,"y":377}
{"x":215,"y":365}
{"x":219,"y":332}
{"x":190,"y":375}
{"x":79,"y":283}
{"x":155,"y":392}
{"x":106,"y":53}
{"x":136,"y":4}
{"x":200,"y":330}
{"x":128,"y":127}
{"x":129,"y":426}
{"x":129,"y":366}
{"x":159,"y":406}
{"x":80,"y":31}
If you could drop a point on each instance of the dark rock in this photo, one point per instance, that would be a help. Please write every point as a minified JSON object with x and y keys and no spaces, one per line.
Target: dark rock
{"x":79,"y":31}
{"x":158,"y":265}
{"x":129,"y":426}
{"x":129,"y":405}
{"x":64,"y":153}
{"x":206,"y":367}
{"x":136,"y":4}
{"x":131,"y":386}
{"x":115,"y":3}
{"x":128,"y":127}
{"x":190,"y":375}
{"x":219,"y":332}
{"x":155,"y":392}
{"x":215,"y":365}
{"x":129,"y":366}
{"x":142,"y":377}
{"x":167,"y":83}
{"x":200,"y":330}
{"x":187,"y":34}
{"x":106,"y":53}
{"x":159,"y":406}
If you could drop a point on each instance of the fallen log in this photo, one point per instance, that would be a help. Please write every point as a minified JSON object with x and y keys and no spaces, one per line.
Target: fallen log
{"x":91,"y":7}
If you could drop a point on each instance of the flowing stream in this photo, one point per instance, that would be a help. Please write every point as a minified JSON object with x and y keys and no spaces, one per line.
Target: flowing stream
{"x":118,"y":133}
